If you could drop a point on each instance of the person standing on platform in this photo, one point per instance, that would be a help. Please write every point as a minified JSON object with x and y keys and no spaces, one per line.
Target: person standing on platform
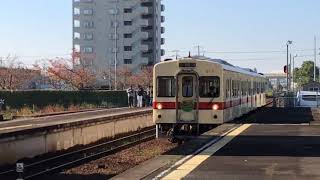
{"x":140,"y":96}
{"x":148,"y":96}
{"x":151,"y":96}
{"x":130,"y":92}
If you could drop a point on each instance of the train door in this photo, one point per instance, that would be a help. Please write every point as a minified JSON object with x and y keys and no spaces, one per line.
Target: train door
{"x":187,"y":98}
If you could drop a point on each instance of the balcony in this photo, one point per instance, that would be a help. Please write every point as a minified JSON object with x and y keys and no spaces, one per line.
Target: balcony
{"x":146,"y":28}
{"x":146,"y":3}
{"x":163,"y":19}
{"x":147,"y":10}
{"x":163,"y":30}
{"x":147,"y":40}
{"x":144,"y":48}
{"x":82,"y":1}
{"x":146,"y":16}
{"x":144,"y":22}
{"x":163,"y":41}
{"x":163,"y":8}
{"x":163,"y":52}
{"x":147,"y":53}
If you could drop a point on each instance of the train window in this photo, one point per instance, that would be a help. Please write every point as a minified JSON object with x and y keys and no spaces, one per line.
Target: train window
{"x":187,"y":86}
{"x":210,"y":87}
{"x":243,"y":88}
{"x":166,"y":87}
{"x":227,"y":89}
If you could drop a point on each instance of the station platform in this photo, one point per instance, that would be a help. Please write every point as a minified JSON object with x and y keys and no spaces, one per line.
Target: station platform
{"x":257,"y":152}
{"x":244,"y":151}
{"x":28,"y":138}
{"x":55,"y":121}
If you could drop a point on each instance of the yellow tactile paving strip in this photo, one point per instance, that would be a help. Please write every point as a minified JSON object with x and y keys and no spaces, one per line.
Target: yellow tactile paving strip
{"x":186,"y":168}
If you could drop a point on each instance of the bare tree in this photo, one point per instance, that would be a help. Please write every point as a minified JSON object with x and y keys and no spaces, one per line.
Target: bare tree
{"x":145,"y":77}
{"x":14,"y":76}
{"x":77,"y":76}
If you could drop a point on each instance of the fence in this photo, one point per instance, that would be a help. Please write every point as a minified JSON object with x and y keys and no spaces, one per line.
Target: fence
{"x":19,"y":99}
{"x":294,"y":102}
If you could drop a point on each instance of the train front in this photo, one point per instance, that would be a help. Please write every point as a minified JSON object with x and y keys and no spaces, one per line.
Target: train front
{"x":187,"y":95}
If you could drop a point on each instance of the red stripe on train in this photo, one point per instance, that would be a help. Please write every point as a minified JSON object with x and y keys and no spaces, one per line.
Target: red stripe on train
{"x":205,"y":105}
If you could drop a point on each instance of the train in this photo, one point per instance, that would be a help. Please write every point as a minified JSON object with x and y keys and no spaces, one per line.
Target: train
{"x":195,"y":93}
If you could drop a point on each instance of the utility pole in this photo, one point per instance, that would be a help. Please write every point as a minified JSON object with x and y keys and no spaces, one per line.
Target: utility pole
{"x":199,"y":50}
{"x":290,"y":74}
{"x":288,"y":43}
{"x":115,"y":45}
{"x":176,"y":53}
{"x":293,"y":58}
{"x":315,"y":59}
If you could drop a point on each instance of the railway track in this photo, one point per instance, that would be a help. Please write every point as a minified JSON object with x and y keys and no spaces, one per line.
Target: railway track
{"x":68,"y":160}
{"x":56,"y":164}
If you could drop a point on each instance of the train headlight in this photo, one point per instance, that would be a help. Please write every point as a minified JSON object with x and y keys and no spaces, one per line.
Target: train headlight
{"x":159,"y":106}
{"x":215,"y":107}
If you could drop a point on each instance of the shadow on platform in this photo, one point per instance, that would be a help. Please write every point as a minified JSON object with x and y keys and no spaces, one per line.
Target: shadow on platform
{"x":270,"y":115}
{"x":285,"y":146}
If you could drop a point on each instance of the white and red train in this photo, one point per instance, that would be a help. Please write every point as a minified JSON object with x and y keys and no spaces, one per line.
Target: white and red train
{"x":198,"y":92}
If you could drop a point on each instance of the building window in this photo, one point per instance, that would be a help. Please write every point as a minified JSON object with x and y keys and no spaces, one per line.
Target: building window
{"x":76,"y":23}
{"x":127,"y":10}
{"x":76,"y":11}
{"x":88,"y":50}
{"x":86,"y":62}
{"x":76,"y":48}
{"x":88,"y":24}
{"x":127,"y":23}
{"x":76,"y":35}
{"x":127,"y":61}
{"x":88,"y":36}
{"x":88,"y":12}
{"x":113,"y":11}
{"x":128,"y":35}
{"x":127,"y":48}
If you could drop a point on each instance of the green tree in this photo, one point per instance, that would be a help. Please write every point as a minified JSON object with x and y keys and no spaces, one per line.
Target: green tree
{"x":304,"y":74}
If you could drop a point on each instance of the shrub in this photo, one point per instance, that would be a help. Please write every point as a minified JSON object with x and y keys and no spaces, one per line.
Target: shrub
{"x":42,"y":99}
{"x":25,"y":111}
{"x":52,"y":109}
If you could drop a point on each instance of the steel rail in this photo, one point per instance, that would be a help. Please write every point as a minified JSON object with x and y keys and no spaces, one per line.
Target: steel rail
{"x":81,"y":155}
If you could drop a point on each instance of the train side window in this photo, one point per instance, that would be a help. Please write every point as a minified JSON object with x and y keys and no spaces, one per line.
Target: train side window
{"x":227,"y":88}
{"x":166,"y":87}
{"x":187,"y":86}
{"x":243,"y":88}
{"x":210,"y":87}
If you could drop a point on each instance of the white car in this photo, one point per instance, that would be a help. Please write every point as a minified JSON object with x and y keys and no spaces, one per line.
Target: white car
{"x":308,"y":99}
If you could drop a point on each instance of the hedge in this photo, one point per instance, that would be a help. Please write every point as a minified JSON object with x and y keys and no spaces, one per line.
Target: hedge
{"x":19,"y":99}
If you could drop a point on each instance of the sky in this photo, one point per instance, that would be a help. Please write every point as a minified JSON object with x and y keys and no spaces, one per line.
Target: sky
{"x":247,"y":33}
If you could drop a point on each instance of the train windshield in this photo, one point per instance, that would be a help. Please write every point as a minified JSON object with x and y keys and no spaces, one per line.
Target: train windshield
{"x":187,"y":86}
{"x":209,"y":87}
{"x":166,"y":87}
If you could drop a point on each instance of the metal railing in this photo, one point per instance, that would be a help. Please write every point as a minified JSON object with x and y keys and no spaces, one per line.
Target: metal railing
{"x":295,"y":102}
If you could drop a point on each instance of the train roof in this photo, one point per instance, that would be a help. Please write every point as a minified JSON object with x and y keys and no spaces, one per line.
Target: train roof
{"x":229,"y":67}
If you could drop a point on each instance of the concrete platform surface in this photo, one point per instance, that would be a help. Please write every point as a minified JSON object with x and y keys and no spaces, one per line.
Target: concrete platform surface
{"x":258,"y":152}
{"x":153,"y":167}
{"x":85,"y":117}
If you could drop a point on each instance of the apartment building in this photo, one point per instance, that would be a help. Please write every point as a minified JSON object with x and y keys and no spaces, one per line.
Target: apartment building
{"x":108,"y":34}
